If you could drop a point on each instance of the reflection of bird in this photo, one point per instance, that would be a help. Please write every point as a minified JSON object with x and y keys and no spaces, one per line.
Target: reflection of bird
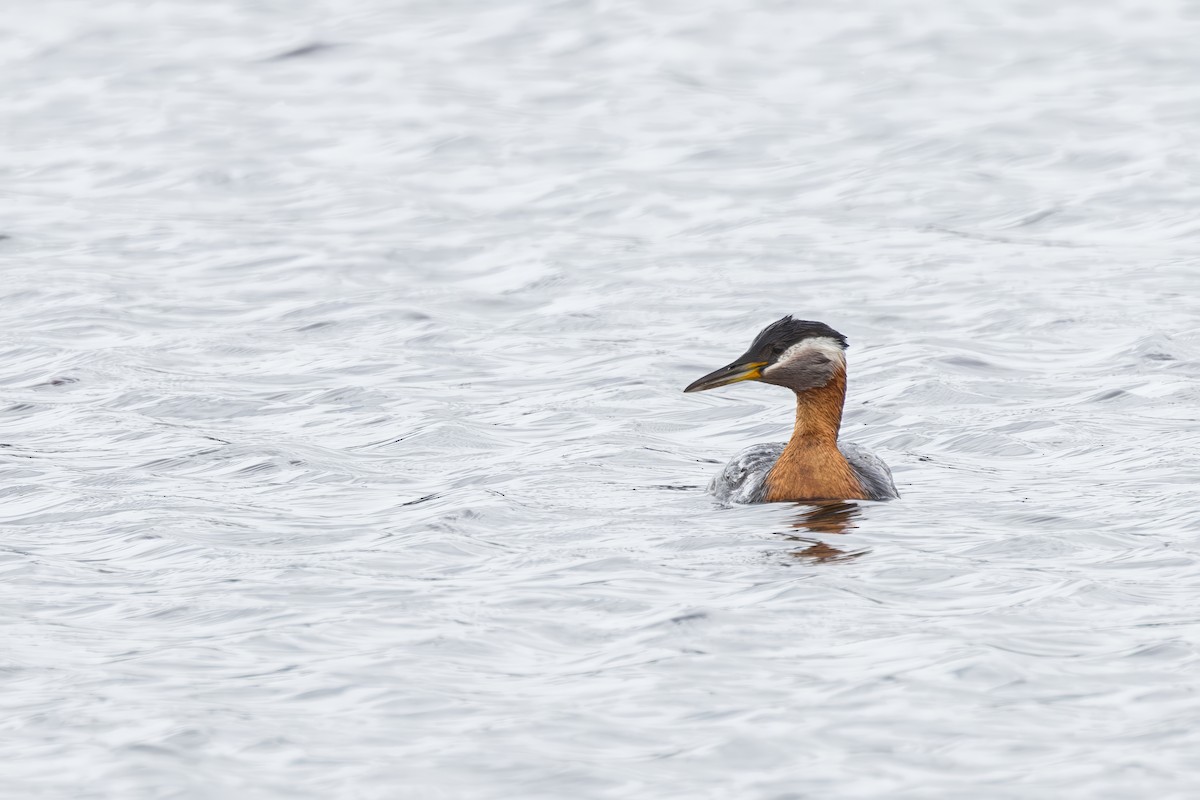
{"x":810,"y":359}
{"x":824,"y":517}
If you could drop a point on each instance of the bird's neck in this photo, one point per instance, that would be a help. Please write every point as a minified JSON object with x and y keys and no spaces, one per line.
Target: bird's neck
{"x":811,"y":467}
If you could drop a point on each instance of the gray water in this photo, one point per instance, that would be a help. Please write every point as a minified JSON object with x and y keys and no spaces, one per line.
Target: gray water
{"x":344,"y":452}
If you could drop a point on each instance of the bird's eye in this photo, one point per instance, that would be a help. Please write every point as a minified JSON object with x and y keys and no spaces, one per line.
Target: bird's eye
{"x":777,"y":350}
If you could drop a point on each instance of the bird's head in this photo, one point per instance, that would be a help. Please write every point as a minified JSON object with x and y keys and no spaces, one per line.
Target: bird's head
{"x":796,"y":353}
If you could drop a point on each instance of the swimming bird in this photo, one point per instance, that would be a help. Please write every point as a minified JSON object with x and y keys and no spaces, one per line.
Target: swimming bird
{"x":810,"y":359}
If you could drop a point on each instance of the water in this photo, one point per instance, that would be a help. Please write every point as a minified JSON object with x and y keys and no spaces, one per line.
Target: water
{"x":344,"y":452}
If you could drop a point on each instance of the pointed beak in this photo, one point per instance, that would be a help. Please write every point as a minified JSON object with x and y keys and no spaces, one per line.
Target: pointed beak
{"x":737,"y":371}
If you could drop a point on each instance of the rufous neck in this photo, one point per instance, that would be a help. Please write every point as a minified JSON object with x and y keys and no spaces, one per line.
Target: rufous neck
{"x":819,"y":413}
{"x":812,"y":467}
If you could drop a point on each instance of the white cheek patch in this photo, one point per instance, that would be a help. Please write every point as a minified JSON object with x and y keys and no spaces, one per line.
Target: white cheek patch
{"x":823,"y":345}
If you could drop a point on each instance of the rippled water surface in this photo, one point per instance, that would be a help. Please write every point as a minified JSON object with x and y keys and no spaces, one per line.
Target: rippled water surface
{"x":344,"y":453}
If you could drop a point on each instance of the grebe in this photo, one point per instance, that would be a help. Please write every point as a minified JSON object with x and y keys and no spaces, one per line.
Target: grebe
{"x":810,"y":359}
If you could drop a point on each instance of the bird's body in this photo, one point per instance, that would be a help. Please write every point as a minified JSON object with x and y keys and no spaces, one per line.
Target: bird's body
{"x":744,"y":478}
{"x":808,"y":358}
